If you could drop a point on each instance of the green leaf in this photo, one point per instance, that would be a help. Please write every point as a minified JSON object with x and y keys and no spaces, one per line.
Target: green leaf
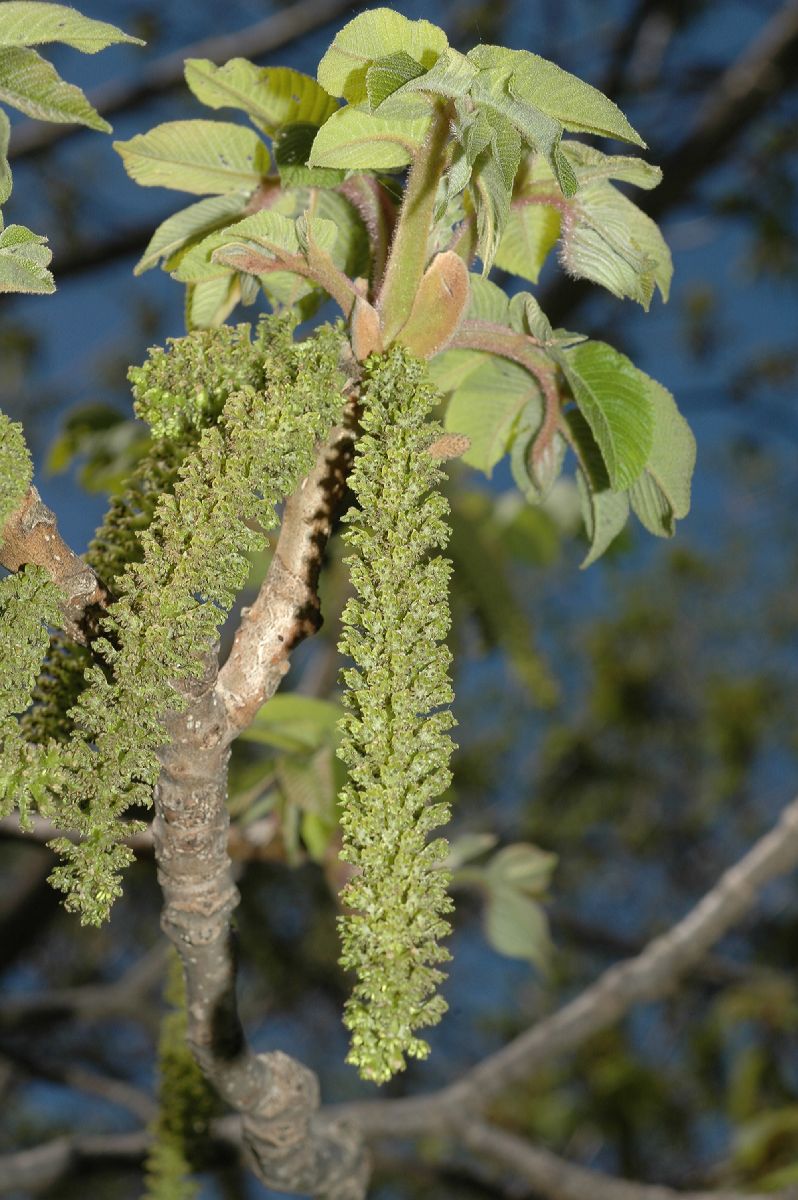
{"x":28,"y":82}
{"x":5,"y":169}
{"x":23,"y":23}
{"x":530,"y":233}
{"x":490,"y":91}
{"x":24,"y":258}
{"x":371,"y":36}
{"x":190,"y":223}
{"x":209,"y":303}
{"x":266,"y":230}
{"x":614,"y":398}
{"x":535,"y":479}
{"x":610,"y":241}
{"x":270,"y":96}
{"x":450,"y":78}
{"x":358,"y":140}
{"x":488,"y":302}
{"x":487,"y":396}
{"x":522,"y":866}
{"x":465,"y":848}
{"x":295,"y":723}
{"x":196,"y":156}
{"x":387,"y":75}
{"x":569,"y":100}
{"x":517,"y":926}
{"x":662,"y":493}
{"x":604,"y":511}
{"x":591,"y":164}
{"x":492,"y":196}
{"x":292,"y":146}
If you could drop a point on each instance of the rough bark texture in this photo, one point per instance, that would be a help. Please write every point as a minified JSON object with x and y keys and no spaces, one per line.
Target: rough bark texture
{"x":31,"y":536}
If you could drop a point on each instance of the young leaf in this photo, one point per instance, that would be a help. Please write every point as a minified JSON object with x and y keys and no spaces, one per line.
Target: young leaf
{"x":610,"y":241}
{"x":374,"y":35}
{"x":209,"y":303}
{"x":5,"y":169}
{"x":190,"y":223}
{"x":267,"y":234}
{"x":517,"y":926}
{"x":438,"y":308}
{"x":24,"y":257}
{"x":358,"y":140}
{"x":535,"y":477}
{"x":522,"y":866}
{"x":569,"y":100}
{"x":28,"y":82}
{"x":662,"y":493}
{"x":292,"y":146}
{"x":450,"y":78}
{"x":591,"y":164}
{"x":387,"y":75}
{"x":270,"y":96}
{"x":213,"y":157}
{"x":295,"y":723}
{"x":614,"y":398}
{"x":604,"y":511}
{"x":23,"y":23}
{"x":529,"y":234}
{"x":487,"y":396}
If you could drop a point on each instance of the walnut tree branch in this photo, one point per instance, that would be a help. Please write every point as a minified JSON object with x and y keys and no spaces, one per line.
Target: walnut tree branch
{"x":291,"y":1147}
{"x":287,"y":607}
{"x":30,"y":535}
{"x":556,"y":1179}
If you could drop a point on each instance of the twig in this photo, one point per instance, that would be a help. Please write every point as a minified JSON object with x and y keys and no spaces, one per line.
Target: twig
{"x":31,"y":535}
{"x":287,"y":607}
{"x":290,"y":1145}
{"x":557,"y":1179}
{"x":166,"y":73}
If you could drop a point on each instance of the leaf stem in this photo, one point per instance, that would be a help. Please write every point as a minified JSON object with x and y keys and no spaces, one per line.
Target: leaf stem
{"x":408,"y":255}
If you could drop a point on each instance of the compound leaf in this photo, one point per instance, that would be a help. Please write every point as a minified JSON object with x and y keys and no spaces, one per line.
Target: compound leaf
{"x":371,"y":36}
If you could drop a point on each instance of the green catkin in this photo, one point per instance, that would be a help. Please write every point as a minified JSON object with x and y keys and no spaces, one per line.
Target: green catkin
{"x":171,"y":603}
{"x":394,"y":737}
{"x":28,"y":602}
{"x":178,"y":391}
{"x":186,"y":1104}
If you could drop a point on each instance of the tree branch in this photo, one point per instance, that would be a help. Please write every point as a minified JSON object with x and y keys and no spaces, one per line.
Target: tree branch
{"x":291,"y":1146}
{"x":31,"y":535}
{"x":557,"y":1179}
{"x":647,"y":976}
{"x":287,"y":607}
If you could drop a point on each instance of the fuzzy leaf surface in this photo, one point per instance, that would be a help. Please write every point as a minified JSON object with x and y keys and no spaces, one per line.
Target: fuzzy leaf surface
{"x":31,"y":84}
{"x":371,"y":36}
{"x":23,"y":23}
{"x":189,"y":224}
{"x":576,"y":105}
{"x":487,"y":395}
{"x":661,"y":495}
{"x":270,"y":96}
{"x":358,"y":140}
{"x":613,"y":397}
{"x":211,"y":157}
{"x":5,"y":169}
{"x":24,"y":258}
